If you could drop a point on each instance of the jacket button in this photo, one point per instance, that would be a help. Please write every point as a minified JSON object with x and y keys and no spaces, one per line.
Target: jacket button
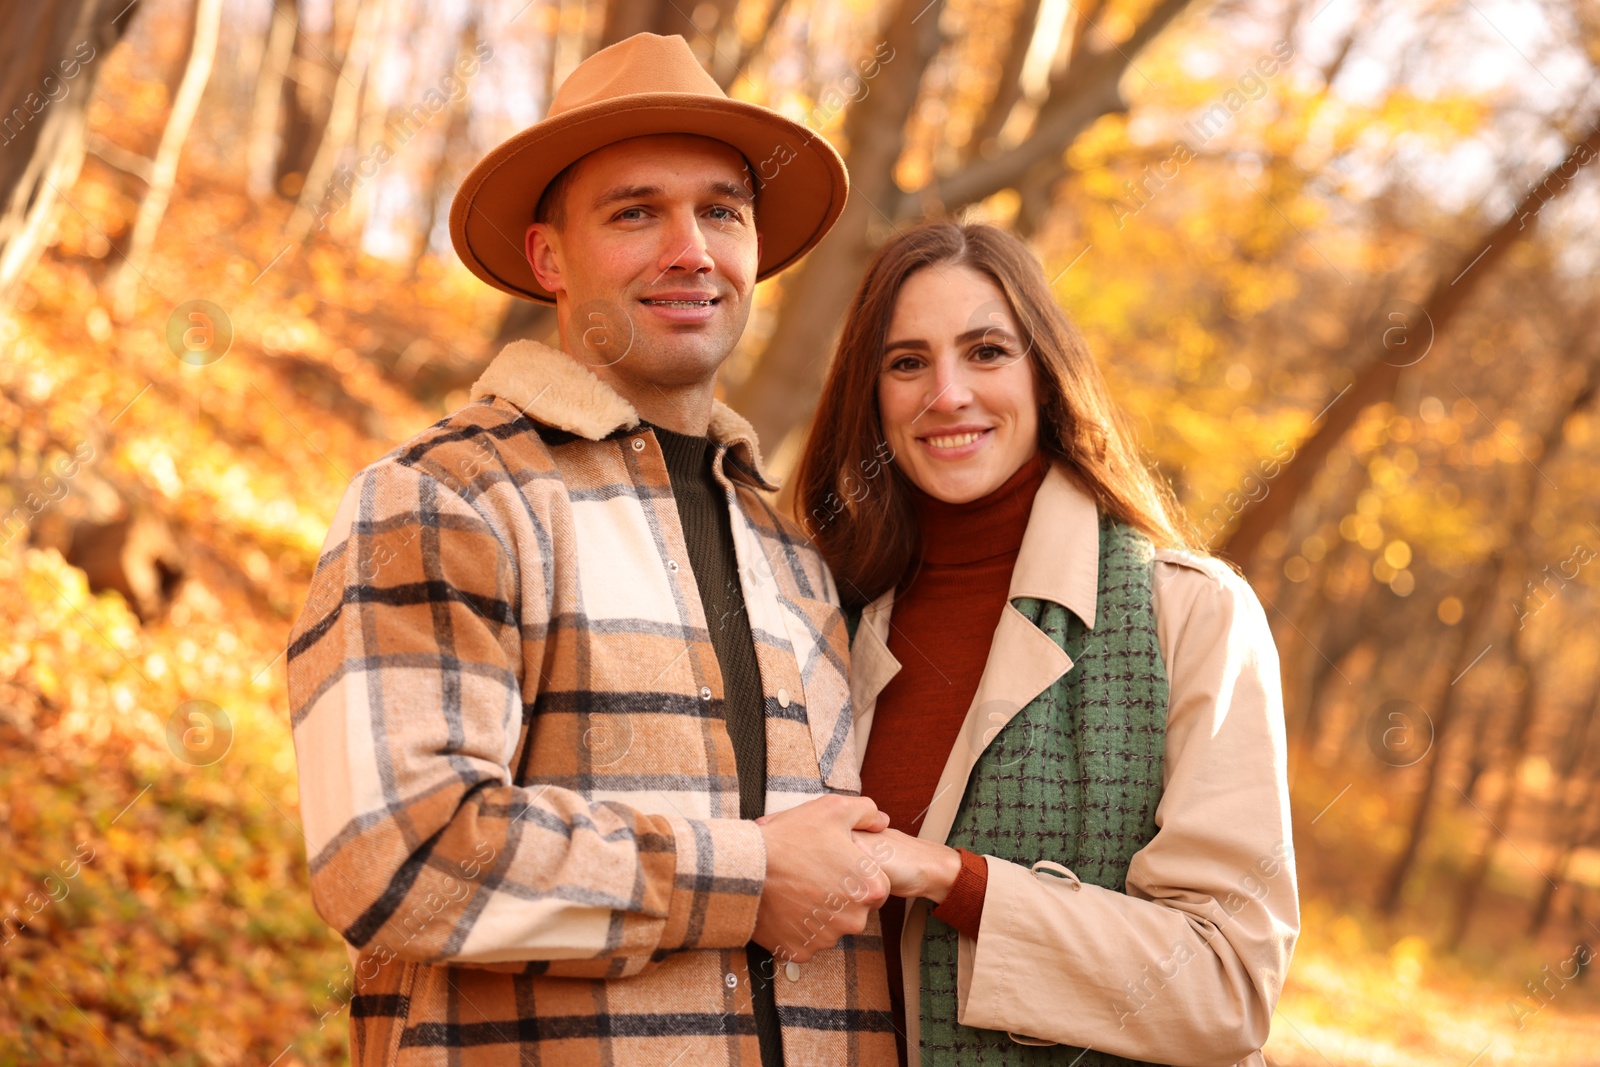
{"x":638,"y":444}
{"x":705,"y":692}
{"x":783,"y":697}
{"x":792,"y":971}
{"x":672,"y":565}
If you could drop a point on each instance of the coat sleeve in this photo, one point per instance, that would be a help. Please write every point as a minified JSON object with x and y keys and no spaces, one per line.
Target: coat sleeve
{"x":409,"y":690}
{"x":1186,"y":966}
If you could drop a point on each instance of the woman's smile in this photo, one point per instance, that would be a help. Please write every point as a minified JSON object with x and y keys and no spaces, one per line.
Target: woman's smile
{"x":956,"y":444}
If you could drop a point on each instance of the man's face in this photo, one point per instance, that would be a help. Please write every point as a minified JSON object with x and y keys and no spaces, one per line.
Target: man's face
{"x":654,"y":264}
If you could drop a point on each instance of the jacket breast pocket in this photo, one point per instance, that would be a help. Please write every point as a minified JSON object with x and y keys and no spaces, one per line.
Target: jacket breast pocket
{"x":821,"y":649}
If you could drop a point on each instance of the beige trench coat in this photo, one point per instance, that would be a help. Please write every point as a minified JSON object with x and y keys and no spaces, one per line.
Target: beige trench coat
{"x":1186,"y":967}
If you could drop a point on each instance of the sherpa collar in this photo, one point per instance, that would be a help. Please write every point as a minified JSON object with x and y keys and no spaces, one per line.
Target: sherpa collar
{"x":550,"y":387}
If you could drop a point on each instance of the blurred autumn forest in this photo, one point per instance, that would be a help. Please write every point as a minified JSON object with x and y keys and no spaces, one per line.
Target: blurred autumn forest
{"x":1337,"y":257}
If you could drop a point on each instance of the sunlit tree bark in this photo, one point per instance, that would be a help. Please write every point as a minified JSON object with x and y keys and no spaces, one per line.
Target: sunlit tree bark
{"x":51,"y":56}
{"x":123,"y":281}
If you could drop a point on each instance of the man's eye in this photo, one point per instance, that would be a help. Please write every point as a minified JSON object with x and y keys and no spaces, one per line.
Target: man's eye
{"x":726,"y":214}
{"x":631,"y":214}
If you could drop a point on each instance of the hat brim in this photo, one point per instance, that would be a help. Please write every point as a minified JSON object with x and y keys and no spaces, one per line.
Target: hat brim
{"x":801,"y":179}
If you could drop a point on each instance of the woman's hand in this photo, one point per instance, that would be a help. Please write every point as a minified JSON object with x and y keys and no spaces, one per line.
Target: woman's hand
{"x":817,"y":888}
{"x":916,"y":868}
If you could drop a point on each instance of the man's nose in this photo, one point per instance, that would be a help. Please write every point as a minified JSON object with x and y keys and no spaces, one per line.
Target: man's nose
{"x":685,"y":248}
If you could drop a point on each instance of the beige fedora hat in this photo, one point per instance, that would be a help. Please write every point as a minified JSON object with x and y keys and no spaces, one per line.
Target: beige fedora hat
{"x":647,"y":84}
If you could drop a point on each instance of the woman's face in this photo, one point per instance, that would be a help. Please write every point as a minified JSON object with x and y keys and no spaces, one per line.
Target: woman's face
{"x":956,"y":387}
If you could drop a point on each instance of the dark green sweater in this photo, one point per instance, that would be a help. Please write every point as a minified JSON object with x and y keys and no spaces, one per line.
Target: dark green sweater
{"x":708,"y":531}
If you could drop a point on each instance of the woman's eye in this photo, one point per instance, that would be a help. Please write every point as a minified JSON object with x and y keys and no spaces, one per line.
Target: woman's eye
{"x":991,"y":353}
{"x":903,"y":363}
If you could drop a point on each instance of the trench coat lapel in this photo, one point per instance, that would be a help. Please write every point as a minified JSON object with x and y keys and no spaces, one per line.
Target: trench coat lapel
{"x":1059,"y":561}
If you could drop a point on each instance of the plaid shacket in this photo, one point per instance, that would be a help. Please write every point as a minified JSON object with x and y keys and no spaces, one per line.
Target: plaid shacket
{"x":519,"y":794}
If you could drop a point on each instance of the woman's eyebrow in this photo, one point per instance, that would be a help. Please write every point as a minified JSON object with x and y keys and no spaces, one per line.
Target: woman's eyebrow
{"x":977,"y":334}
{"x":985,"y":331}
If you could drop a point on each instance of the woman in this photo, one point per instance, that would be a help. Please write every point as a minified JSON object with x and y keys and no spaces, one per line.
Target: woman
{"x":1073,"y":719}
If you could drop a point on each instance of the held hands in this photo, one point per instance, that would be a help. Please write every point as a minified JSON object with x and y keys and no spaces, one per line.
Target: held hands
{"x":820,"y":887}
{"x":830,"y":863}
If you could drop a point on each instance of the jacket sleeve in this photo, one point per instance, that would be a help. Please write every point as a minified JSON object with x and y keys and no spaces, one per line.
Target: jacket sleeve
{"x":1186,"y":966}
{"x":411,"y":672}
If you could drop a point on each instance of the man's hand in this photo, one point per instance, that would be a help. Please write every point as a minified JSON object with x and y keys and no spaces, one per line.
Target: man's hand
{"x":819,"y":886}
{"x":916,"y":868}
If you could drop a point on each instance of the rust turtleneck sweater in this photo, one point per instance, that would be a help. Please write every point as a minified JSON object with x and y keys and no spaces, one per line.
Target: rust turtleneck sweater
{"x":945,"y":613}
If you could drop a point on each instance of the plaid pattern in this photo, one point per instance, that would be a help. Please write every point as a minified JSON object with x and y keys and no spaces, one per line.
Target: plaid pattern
{"x":519,"y":795}
{"x":1075,"y":776}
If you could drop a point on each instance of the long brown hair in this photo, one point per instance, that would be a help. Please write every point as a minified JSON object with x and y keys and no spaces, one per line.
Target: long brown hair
{"x":857,"y":507}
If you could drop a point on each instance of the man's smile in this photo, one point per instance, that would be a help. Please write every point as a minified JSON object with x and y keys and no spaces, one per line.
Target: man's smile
{"x":683,"y":307}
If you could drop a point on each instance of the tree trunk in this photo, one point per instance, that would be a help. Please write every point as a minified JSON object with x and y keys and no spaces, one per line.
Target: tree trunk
{"x":122,"y":283}
{"x":272,"y":87}
{"x":304,"y":104}
{"x":624,"y":18}
{"x":319,"y":197}
{"x":1376,"y":381}
{"x":453,"y":146}
{"x":783,"y":388}
{"x":373,"y":113}
{"x":1461,"y":655}
{"x":1008,"y":89}
{"x":1585,"y":829}
{"x":50,"y":57}
{"x":1472,"y":879}
{"x":1480,"y":726}
{"x":1579,"y":805}
{"x":1466,"y":647}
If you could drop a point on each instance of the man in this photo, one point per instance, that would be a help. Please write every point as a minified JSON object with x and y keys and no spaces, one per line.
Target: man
{"x":560,"y":654}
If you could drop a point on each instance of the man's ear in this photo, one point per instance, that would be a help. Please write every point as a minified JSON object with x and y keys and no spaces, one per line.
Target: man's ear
{"x":543,"y":255}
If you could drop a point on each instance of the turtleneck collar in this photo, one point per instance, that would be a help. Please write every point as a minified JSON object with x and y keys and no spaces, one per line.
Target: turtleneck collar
{"x":980,"y":529}
{"x":686,"y":455}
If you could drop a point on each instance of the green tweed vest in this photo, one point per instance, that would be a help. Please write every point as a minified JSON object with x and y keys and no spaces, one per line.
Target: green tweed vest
{"x":1074,"y":778}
